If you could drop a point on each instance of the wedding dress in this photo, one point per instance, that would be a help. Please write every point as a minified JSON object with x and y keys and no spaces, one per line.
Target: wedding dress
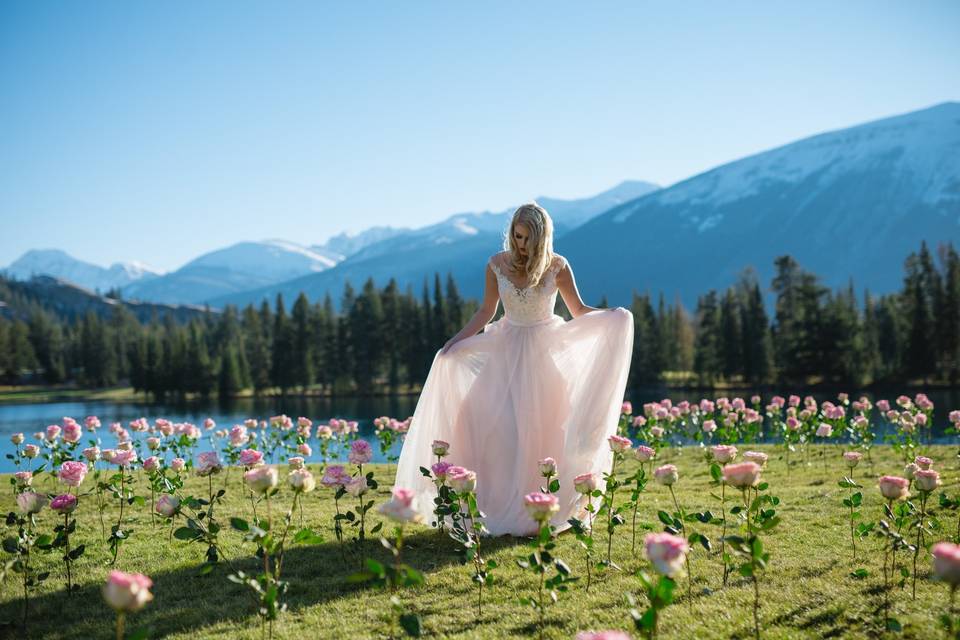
{"x":530,"y":386}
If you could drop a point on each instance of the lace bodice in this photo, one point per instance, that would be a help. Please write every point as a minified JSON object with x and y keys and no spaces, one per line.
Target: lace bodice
{"x":530,"y":304}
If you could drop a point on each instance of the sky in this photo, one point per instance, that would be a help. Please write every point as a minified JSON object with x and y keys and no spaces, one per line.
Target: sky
{"x":154,"y":132}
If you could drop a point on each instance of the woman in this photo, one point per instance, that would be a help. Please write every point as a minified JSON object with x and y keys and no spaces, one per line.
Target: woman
{"x":531,"y":386}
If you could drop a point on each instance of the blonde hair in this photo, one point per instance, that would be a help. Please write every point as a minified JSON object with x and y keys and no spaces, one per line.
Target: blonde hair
{"x":539,"y":244}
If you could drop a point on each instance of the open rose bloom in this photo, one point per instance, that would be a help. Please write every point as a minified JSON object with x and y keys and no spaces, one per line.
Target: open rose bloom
{"x":946,"y":562}
{"x":852,"y":458}
{"x":666,"y":551}
{"x":894,"y":487}
{"x":666,"y":475}
{"x":742,"y":475}
{"x":586,"y":483}
{"x":724,"y":453}
{"x":402,"y":506}
{"x":127,"y":591}
{"x":541,"y":506}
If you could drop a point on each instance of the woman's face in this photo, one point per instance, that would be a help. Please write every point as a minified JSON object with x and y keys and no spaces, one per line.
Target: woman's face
{"x":520,"y":236}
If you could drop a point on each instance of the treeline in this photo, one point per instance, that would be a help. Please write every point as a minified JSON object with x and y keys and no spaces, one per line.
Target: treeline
{"x":384,"y":340}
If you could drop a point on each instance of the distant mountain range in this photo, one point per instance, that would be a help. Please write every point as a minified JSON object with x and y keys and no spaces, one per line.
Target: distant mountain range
{"x":846,"y":204}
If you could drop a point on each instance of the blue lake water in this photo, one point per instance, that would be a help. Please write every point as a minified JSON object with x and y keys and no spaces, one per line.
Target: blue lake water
{"x":32,"y":417}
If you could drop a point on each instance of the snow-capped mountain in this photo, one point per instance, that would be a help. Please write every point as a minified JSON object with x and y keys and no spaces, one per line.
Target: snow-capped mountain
{"x":459,"y":244}
{"x":239,"y":267}
{"x":59,"y":264}
{"x":343,"y":245}
{"x":845,"y":204}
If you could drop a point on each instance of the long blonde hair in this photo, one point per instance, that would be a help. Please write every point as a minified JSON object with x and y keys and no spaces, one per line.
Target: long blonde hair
{"x":539,"y":245}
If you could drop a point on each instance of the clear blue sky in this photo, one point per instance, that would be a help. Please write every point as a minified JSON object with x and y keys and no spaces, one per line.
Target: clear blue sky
{"x":158,"y":131}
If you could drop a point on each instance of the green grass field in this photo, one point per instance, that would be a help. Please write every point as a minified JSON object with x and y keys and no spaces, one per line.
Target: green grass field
{"x":807,"y":591}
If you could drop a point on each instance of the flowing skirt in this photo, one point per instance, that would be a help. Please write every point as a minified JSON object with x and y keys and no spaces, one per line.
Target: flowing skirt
{"x":515,"y":394}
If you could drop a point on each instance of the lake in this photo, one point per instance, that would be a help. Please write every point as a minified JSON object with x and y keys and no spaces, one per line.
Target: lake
{"x":32,"y":417}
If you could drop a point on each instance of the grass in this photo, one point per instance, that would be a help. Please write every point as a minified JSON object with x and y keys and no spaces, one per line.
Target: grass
{"x":807,"y":591}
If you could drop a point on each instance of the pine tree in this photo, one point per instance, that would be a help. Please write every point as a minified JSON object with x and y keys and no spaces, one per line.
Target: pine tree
{"x":707,"y":362}
{"x":301,"y":359}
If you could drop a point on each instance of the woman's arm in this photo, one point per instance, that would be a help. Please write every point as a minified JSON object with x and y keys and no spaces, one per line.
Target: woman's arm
{"x":488,"y":309}
{"x":571,"y":297}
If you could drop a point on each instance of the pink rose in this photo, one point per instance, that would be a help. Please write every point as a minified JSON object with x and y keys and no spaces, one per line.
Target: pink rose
{"x":92,"y":423}
{"x":153,"y":443}
{"x":548,"y":467}
{"x":586,"y":483}
{"x":440,"y":447}
{"x":743,"y":475}
{"x":261,"y":479}
{"x":31,"y":451}
{"x":360,"y":452}
{"x":644,"y":453}
{"x":926,"y":479}
{"x":402,"y":506}
{"x":177,"y":464}
{"x":64,"y":504}
{"x":910,"y":469}
{"x":709,"y":426}
{"x":250,"y":457}
{"x":656,"y":432}
{"x":356,"y":487}
{"x":17,"y":438}
{"x":619,"y":444}
{"x":301,"y":481}
{"x":209,"y":424}
{"x":462,"y":480}
{"x":626,"y":407}
{"x":127,"y":591}
{"x":208,"y":463}
{"x":894,"y":487}
{"x":852,"y":458}
{"x":439,"y":470}
{"x":304,"y":449}
{"x":824,"y":430}
{"x":23,"y":478}
{"x":151,"y":464}
{"x":92,"y":454}
{"x":167,"y":505}
{"x":666,"y":475}
{"x":295,"y":462}
{"x":335,"y":476}
{"x":666,"y":551}
{"x":756,"y":456}
{"x":124,"y":457}
{"x":540,"y":506}
{"x":53,"y":432}
{"x":72,"y":473}
{"x":946,"y":562}
{"x":923,"y":462}
{"x":31,"y":502}
{"x":724,"y":453}
{"x":72,"y":433}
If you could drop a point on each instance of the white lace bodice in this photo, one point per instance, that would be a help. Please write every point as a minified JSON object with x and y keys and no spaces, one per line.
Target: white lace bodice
{"x":530,"y":304}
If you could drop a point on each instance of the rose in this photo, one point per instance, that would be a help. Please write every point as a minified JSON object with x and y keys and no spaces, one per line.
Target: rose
{"x":440,"y":447}
{"x":17,"y":438}
{"x":619,"y":444}
{"x":124,"y":457}
{"x":208,"y":463}
{"x":666,"y":475}
{"x":261,"y":479}
{"x":724,"y":453}
{"x":295,"y":462}
{"x":31,"y":451}
{"x":548,"y":467}
{"x":946,"y":562}
{"x":852,"y":458}
{"x":540,"y":506}
{"x":910,"y":470}
{"x":440,"y":469}
{"x":824,"y":430}
{"x":127,"y":591}
{"x":251,"y":457}
{"x":666,"y":551}
{"x":72,"y":433}
{"x":31,"y":502}
{"x":462,"y":480}
{"x":357,"y":486}
{"x":626,"y":407}
{"x":301,"y":481}
{"x":709,"y":426}
{"x":926,"y":479}
{"x":923,"y":462}
{"x":894,"y":487}
{"x":65,"y":503}
{"x":334,"y":476}
{"x":742,"y":475}
{"x":644,"y":453}
{"x":756,"y":456}
{"x":402,"y":506}
{"x":153,"y":443}
{"x":602,"y":635}
{"x":23,"y":478}
{"x":126,"y":445}
{"x":586,"y":483}
{"x":72,"y":473}
{"x":53,"y":432}
{"x":304,"y":449}
{"x":92,"y":453}
{"x":151,"y":464}
{"x":656,"y":432}
{"x":177,"y":464}
{"x":360,"y":452}
{"x":168,"y":505}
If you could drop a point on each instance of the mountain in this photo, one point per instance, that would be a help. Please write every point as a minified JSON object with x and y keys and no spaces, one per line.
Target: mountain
{"x":460,"y":244}
{"x":18,"y":299}
{"x":343,"y":244}
{"x":236,"y":268}
{"x":851,"y":203}
{"x":59,"y":264}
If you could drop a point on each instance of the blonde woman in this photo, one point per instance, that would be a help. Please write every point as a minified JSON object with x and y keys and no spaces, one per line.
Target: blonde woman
{"x":529,"y":387}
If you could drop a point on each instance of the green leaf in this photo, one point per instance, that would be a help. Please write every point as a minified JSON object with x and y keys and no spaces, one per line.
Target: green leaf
{"x":76,"y":553}
{"x":186,"y":533}
{"x":665,"y":518}
{"x":412,"y":624}
{"x":859,"y":573}
{"x":554,"y":485}
{"x":240,"y":524}
{"x":715,"y":472}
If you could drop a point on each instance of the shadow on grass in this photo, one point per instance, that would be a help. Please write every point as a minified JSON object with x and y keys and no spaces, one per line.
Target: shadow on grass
{"x":185,"y":601}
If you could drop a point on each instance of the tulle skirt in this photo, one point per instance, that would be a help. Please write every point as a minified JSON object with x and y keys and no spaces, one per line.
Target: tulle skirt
{"x":515,"y":394}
